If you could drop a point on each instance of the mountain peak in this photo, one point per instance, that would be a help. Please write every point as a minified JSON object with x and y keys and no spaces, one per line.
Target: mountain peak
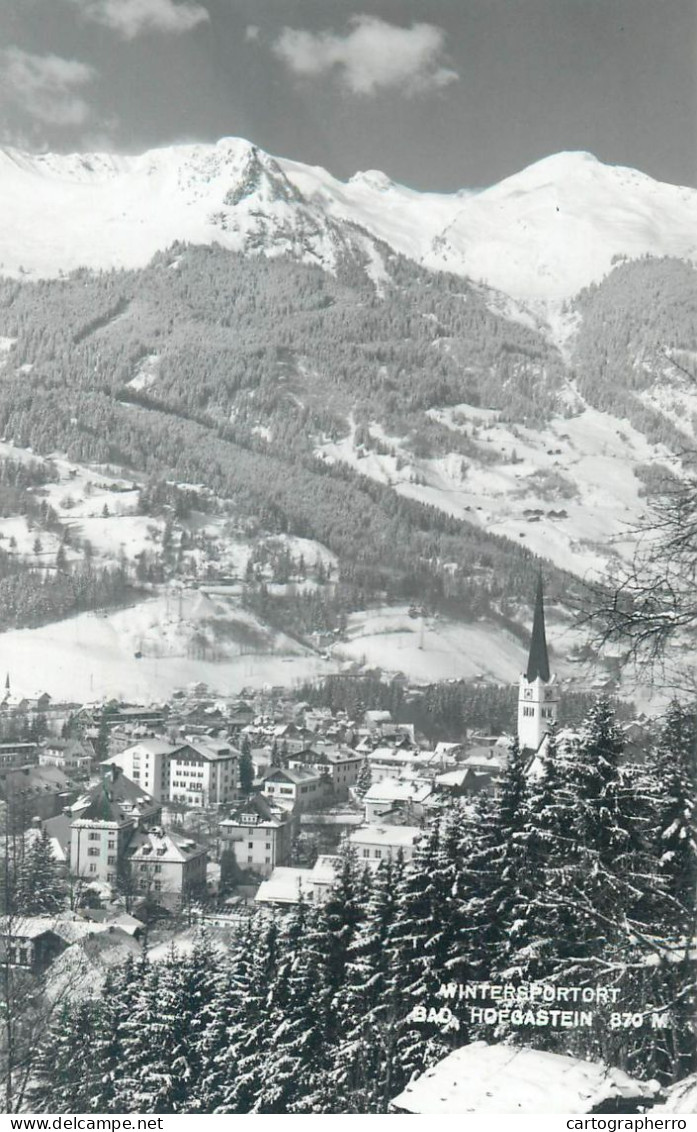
{"x":544,"y":232}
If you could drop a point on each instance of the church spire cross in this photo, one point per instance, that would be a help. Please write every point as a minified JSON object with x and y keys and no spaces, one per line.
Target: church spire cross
{"x":538,"y":659}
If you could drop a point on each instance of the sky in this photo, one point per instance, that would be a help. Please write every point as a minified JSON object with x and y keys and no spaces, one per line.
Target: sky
{"x":438,"y":94}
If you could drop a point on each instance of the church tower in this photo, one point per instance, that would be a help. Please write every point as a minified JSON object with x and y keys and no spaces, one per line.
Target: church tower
{"x":538,"y":697}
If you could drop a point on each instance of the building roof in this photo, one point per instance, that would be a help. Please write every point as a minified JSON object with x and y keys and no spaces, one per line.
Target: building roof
{"x":285,"y":885}
{"x":34,"y":781}
{"x":261,"y":807}
{"x":151,"y":745}
{"x":388,"y":790}
{"x":680,"y":1097}
{"x":167,"y":848}
{"x":506,"y":1079}
{"x":538,"y":659}
{"x":285,"y":774}
{"x":211,"y":749}
{"x":393,"y":836}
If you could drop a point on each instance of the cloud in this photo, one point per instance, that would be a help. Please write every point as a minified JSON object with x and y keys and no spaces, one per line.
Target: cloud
{"x":43,"y":86}
{"x":251,"y":33}
{"x":372,"y":55}
{"x":131,"y":17}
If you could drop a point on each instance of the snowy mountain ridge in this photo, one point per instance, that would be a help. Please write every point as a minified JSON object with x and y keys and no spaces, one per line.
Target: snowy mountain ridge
{"x":543,"y":233}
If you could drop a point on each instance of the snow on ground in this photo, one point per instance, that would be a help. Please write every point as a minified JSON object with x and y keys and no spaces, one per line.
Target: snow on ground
{"x":147,"y":373}
{"x":498,"y":1078}
{"x":545,"y":232}
{"x":434,"y":648}
{"x":93,"y":655}
{"x":6,"y":345}
{"x":568,"y":490}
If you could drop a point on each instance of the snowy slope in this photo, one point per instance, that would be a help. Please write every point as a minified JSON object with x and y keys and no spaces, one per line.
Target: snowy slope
{"x":543,"y":233}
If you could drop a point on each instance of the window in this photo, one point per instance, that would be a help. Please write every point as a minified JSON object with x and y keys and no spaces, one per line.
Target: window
{"x":366,"y":852}
{"x":92,"y":868}
{"x":157,"y":885}
{"x":377,"y":853}
{"x":268,"y":860}
{"x":94,"y":836}
{"x":111,"y":844}
{"x":249,"y":860}
{"x":111,"y":860}
{"x":158,"y":868}
{"x":92,"y":852}
{"x":268,"y":844}
{"x":250,"y":844}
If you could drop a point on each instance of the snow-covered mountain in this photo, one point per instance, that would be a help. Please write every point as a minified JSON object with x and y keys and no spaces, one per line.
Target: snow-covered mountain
{"x":543,"y":233}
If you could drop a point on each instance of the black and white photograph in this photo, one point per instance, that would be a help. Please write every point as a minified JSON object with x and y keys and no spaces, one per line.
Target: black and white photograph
{"x":348,"y":558}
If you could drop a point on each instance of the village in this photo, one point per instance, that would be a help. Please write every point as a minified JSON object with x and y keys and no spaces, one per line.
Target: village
{"x":157,"y":834}
{"x":156,"y":819}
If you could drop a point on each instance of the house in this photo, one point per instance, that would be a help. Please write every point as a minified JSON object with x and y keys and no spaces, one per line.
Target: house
{"x":259,"y":833}
{"x":482,"y":1078}
{"x":199,"y":771}
{"x":398,"y":801}
{"x":375,"y":720}
{"x":340,"y":765}
{"x":400,"y":762}
{"x":204,"y":772}
{"x":165,"y":865}
{"x":35,"y":792}
{"x":296,"y":789}
{"x":30,"y":942}
{"x":14,"y":755}
{"x":71,"y":755}
{"x":382,"y":843}
{"x":285,"y":886}
{"x":102,"y":824}
{"x":147,"y":763}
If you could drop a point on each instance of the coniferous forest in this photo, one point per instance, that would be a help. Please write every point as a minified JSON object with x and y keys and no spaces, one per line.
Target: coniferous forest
{"x":578,"y":872}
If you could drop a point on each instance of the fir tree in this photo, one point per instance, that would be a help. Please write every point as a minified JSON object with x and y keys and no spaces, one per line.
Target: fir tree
{"x":40,"y":887}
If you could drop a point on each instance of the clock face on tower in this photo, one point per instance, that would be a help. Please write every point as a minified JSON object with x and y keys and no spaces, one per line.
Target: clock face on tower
{"x":527,"y":693}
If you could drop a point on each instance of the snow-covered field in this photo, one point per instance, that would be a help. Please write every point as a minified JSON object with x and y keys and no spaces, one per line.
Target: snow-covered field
{"x":93,"y":655}
{"x":569,"y":490}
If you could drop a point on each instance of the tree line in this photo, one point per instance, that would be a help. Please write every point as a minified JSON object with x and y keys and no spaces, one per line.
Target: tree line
{"x":578,"y":872}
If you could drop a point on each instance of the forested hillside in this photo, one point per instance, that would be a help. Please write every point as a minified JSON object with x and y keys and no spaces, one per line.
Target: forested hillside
{"x":209,"y":367}
{"x":636,"y":350}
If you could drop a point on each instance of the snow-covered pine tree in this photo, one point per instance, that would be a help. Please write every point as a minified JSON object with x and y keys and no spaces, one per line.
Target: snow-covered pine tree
{"x":40,"y":887}
{"x":237,"y":1035}
{"x":65,"y":1075}
{"x":362,"y":1064}
{"x":538,"y":860}
{"x":294,"y":1059}
{"x":137,"y":1084}
{"x":673,"y":763}
{"x":364,"y":780}
{"x":418,"y":944}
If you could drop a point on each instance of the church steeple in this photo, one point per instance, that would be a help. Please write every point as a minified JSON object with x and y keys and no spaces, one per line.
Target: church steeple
{"x":538,"y":698}
{"x":538,"y":659}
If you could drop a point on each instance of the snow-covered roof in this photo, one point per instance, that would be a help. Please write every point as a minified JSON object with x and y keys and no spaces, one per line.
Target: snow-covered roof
{"x":387,"y":790}
{"x":681,"y":1097}
{"x":391,"y":835}
{"x":284,"y":885}
{"x":508,"y":1079}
